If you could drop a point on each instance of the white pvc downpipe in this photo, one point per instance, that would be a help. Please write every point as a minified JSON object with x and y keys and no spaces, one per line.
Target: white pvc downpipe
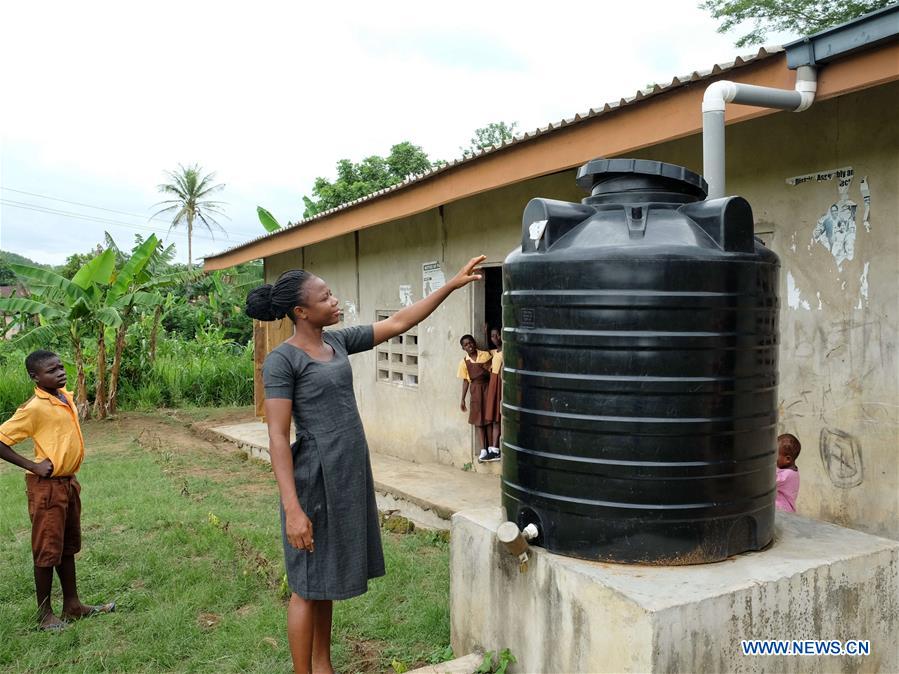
{"x":718,"y":94}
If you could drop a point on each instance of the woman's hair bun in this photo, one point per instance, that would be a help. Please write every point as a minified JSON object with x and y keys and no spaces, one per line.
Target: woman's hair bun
{"x":271,"y":302}
{"x":259,"y":304}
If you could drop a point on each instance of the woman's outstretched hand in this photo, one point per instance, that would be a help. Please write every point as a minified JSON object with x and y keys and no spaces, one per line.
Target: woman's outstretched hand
{"x":467,"y":274}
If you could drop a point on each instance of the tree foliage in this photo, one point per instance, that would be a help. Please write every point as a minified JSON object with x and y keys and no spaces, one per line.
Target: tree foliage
{"x":804,"y":17}
{"x":357,"y":180}
{"x":373,"y":173}
{"x":7,"y":275}
{"x":495,"y":133}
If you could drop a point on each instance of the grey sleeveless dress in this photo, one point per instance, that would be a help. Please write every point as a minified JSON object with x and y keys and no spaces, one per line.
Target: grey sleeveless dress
{"x":331,"y":468}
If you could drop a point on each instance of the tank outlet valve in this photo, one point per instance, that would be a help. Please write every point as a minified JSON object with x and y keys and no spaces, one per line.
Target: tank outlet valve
{"x":516,"y":541}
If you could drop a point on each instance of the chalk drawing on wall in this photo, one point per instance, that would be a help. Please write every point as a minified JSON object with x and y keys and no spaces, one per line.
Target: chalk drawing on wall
{"x":836,"y":228}
{"x":841,"y":455}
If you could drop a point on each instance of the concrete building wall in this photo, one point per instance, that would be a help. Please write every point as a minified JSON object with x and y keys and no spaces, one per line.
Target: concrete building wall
{"x":839,"y":384}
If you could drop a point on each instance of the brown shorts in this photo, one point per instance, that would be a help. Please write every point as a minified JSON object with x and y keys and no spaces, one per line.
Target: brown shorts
{"x":54,"y":506}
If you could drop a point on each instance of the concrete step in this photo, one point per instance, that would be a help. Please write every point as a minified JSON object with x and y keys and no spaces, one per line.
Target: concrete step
{"x":426,"y":493}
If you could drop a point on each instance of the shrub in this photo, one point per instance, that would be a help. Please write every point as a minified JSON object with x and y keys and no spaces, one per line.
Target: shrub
{"x":208,"y":371}
{"x":15,"y":385}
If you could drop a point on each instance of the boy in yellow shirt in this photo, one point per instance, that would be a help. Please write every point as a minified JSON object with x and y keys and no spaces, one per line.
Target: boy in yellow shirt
{"x":54,"y":495}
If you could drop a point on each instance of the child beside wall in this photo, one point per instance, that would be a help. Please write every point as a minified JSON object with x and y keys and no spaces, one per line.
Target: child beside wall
{"x":474,"y":371}
{"x":788,"y":449}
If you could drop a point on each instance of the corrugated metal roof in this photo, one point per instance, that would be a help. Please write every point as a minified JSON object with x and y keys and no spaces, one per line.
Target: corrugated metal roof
{"x":641,"y":95}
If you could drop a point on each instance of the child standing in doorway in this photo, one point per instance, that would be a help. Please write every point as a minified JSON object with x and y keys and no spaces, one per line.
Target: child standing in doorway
{"x":474,"y":371}
{"x":788,"y":449}
{"x":495,"y":391}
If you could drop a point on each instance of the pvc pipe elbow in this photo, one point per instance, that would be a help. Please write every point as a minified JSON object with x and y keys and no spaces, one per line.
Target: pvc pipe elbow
{"x":806,"y":86}
{"x":807,"y":98}
{"x":717,"y":95}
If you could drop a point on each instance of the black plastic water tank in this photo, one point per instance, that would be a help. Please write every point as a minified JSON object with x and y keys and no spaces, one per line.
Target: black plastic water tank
{"x":640,"y":381}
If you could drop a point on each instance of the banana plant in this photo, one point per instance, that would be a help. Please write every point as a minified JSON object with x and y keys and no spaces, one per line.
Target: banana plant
{"x":267,"y":219}
{"x":70,"y":309}
{"x":123,"y":296}
{"x":136,"y":290}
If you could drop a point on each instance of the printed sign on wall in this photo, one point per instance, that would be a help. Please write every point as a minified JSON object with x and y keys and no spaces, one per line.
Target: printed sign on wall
{"x":432,"y":278}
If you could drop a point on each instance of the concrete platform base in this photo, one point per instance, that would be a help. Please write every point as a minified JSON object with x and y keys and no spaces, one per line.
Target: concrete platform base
{"x":426,"y":493}
{"x":816,"y":581}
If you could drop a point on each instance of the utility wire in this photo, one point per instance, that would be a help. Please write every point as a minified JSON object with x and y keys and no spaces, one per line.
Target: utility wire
{"x":92,"y":218}
{"x":78,"y":203}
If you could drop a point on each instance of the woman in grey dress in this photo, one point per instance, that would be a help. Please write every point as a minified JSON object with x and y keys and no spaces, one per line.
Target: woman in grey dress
{"x":324,"y":478}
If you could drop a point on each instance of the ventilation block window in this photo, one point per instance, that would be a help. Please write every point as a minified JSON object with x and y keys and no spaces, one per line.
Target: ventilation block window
{"x":397,"y":358}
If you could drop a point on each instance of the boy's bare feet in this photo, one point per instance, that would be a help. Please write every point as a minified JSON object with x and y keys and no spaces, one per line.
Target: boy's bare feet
{"x":85,"y":610}
{"x":51,"y":623}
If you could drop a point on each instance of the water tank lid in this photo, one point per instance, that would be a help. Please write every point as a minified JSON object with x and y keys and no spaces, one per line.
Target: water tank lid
{"x":598,"y":170}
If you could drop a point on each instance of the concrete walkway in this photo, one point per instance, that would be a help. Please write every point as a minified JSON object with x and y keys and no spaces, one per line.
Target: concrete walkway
{"x":426,"y":493}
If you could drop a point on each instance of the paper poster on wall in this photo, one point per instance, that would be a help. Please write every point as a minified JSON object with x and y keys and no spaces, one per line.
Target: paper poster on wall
{"x":432,"y":278}
{"x":405,"y":295}
{"x":836,"y":228}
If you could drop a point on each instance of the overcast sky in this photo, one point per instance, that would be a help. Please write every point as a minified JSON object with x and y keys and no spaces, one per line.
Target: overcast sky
{"x":99,"y":99}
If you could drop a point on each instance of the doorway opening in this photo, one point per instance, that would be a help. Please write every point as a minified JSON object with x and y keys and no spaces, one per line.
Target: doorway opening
{"x":487,"y":304}
{"x":493,"y":298}
{"x":487,"y":312}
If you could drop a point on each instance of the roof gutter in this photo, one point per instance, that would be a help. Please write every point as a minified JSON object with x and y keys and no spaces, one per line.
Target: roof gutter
{"x":804,"y":56}
{"x":866,"y":31}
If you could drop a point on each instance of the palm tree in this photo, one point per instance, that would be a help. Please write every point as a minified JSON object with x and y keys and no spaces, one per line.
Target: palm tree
{"x":191,"y":189}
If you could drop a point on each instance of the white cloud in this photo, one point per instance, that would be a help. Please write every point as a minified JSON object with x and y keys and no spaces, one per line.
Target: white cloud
{"x":102,"y":97}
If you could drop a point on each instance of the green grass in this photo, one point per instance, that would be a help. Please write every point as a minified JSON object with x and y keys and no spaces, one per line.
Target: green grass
{"x":199,"y":593}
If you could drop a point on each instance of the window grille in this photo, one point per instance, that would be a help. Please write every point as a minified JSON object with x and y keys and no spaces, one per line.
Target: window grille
{"x":397,"y":358}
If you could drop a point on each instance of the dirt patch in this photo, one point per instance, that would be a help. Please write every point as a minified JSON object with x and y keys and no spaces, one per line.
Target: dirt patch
{"x":208,"y":621}
{"x":366,"y":655}
{"x":220,"y":417}
{"x":245,"y":610}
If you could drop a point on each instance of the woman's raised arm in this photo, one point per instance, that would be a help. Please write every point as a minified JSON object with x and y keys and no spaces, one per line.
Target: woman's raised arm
{"x":414,"y":314}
